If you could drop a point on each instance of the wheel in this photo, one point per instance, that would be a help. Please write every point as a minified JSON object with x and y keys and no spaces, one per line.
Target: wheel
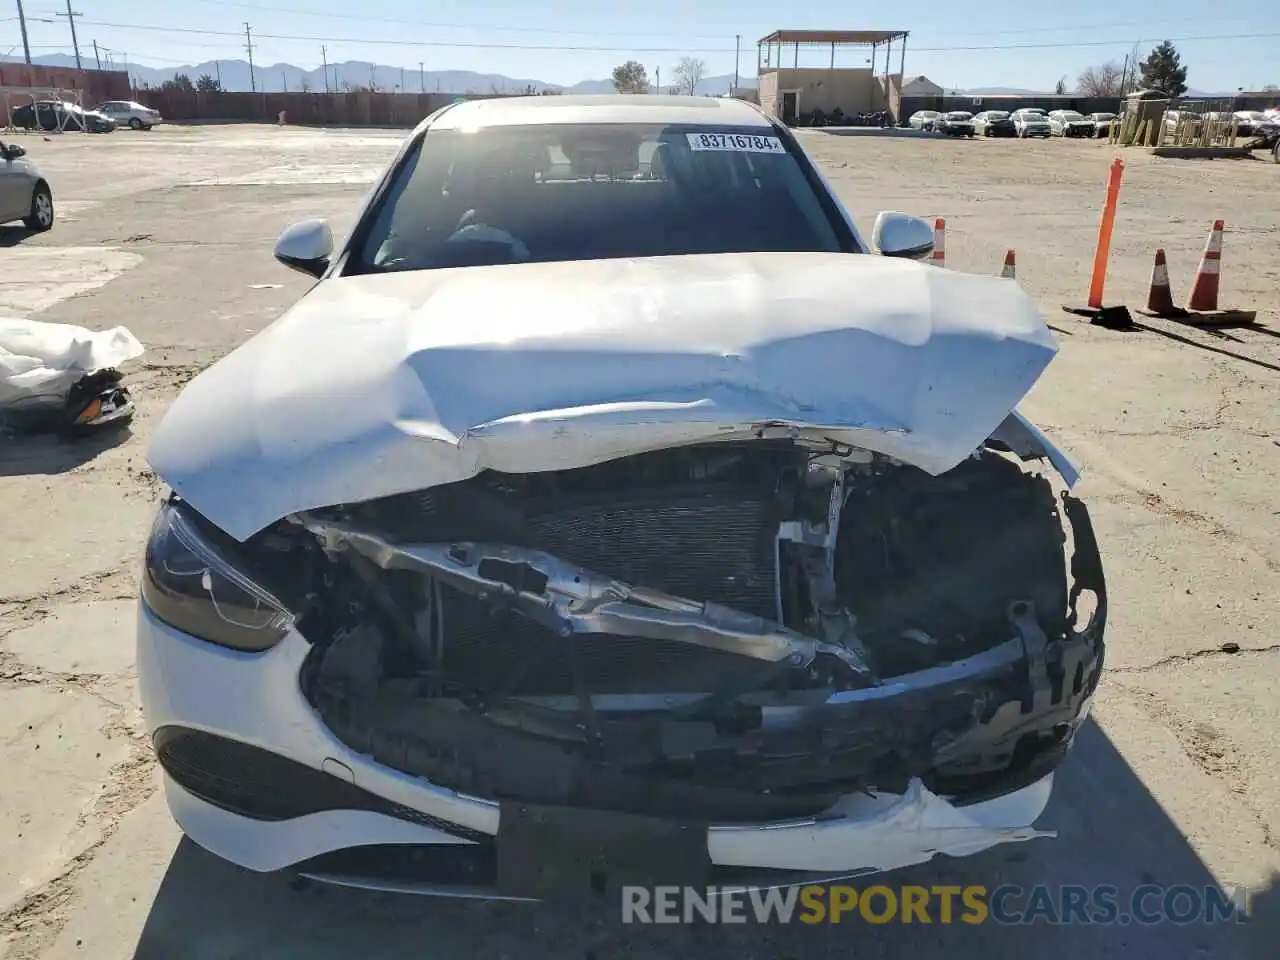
{"x":135,"y":123}
{"x":1275,"y":152}
{"x":41,"y":216}
{"x":146,"y":126}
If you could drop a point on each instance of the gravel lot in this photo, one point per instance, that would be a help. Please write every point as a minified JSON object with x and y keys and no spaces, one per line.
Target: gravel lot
{"x":1176,"y":780}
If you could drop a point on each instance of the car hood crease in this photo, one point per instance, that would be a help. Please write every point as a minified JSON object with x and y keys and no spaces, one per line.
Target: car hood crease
{"x":384,"y":383}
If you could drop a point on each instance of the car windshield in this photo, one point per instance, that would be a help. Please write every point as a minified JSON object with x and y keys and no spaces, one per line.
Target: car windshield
{"x":1102,"y":116}
{"x":997,"y":115}
{"x":579,"y":192}
{"x":1071,"y":115}
{"x":959,"y":115}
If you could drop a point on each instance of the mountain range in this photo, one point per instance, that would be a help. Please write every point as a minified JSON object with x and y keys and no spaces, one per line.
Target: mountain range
{"x":234,"y":75}
{"x":350,"y":74}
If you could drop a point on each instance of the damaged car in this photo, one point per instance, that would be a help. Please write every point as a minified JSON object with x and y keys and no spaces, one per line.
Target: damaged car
{"x":610,"y":511}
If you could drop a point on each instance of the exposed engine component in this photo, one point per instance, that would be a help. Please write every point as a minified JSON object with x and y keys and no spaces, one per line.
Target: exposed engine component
{"x":750,"y":629}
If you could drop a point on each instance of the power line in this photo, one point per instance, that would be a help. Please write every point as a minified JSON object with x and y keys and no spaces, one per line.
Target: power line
{"x":1059,"y":44}
{"x":438,"y":25}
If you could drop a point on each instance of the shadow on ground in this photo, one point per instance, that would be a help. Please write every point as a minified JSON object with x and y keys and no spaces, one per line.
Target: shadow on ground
{"x":11,"y":236}
{"x":1111,"y":832}
{"x":25,"y":454}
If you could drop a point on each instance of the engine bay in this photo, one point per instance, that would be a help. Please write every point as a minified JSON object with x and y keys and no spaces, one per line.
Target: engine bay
{"x":738,"y":631}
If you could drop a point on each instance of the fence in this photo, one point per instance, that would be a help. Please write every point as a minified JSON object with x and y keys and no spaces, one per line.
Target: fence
{"x":357,"y":109}
{"x":92,"y":86}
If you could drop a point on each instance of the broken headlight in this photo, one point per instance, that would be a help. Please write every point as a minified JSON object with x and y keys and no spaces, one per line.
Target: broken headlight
{"x":190,"y":584}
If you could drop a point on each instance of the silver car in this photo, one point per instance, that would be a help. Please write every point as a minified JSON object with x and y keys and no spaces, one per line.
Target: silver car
{"x":24,"y":194}
{"x":1031,"y":122}
{"x":130,"y":113}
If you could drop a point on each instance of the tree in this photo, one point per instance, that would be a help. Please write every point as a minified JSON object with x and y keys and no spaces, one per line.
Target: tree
{"x":1270,"y":88}
{"x":180,"y":82}
{"x":208,"y":84}
{"x":689,"y":73}
{"x":1104,"y":80}
{"x":630,"y":77}
{"x":304,"y":85}
{"x":1060,"y":88}
{"x":1163,"y":71}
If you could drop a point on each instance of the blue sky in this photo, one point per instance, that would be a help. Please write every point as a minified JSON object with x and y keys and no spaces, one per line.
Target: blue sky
{"x":563,"y":41}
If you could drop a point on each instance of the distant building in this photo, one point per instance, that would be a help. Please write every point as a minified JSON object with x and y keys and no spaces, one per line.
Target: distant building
{"x":920,"y":87}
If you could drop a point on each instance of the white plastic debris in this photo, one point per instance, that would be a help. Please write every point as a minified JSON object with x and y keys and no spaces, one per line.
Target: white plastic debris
{"x":40,"y":362}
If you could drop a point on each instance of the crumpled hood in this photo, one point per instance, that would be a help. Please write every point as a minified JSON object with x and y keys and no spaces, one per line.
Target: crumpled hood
{"x":382,"y":384}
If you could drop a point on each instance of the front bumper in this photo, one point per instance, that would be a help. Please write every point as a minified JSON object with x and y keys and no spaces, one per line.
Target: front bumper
{"x":255,"y":700}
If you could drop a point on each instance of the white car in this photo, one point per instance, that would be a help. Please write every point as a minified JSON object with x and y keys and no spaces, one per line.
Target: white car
{"x":923,"y":119}
{"x":608,"y":507}
{"x":1069,"y":123}
{"x":130,"y":113}
{"x":1102,"y":123}
{"x":1031,"y":122}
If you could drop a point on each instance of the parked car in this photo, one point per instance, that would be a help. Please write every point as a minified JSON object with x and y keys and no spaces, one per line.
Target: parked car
{"x":923,"y":119}
{"x":130,"y":113}
{"x":1030,"y":122}
{"x":994,"y":123}
{"x":956,"y":123}
{"x":24,"y":193}
{"x":1102,"y":123}
{"x":1069,"y":123}
{"x":60,"y":115}
{"x":1188,"y":123}
{"x":1249,"y":121}
{"x":522,"y":537}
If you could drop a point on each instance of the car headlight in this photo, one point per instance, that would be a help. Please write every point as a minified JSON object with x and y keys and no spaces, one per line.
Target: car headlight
{"x":192,"y":585}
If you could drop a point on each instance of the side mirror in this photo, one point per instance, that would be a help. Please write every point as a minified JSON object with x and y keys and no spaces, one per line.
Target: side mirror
{"x":901,"y":235}
{"x":13,"y":152}
{"x":306,"y":247}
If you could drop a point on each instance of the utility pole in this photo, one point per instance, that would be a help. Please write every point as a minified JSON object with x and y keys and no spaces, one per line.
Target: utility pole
{"x":657,"y":79}
{"x":422,"y":83}
{"x":217,"y":68}
{"x":71,"y":18}
{"x":373,"y":78}
{"x":324,"y":60}
{"x":95,"y":54}
{"x":248,"y":46}
{"x":284,"y":81}
{"x":737,"y":46}
{"x":22,"y":23}
{"x":402,"y":79}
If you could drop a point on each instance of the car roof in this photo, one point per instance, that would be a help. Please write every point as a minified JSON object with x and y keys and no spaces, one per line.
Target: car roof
{"x":604,"y":108}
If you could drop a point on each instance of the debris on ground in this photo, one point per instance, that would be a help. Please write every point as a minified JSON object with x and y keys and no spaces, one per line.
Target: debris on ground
{"x":58,"y":376}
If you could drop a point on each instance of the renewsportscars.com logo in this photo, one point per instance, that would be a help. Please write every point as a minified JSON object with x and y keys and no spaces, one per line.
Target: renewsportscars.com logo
{"x":943,"y":904}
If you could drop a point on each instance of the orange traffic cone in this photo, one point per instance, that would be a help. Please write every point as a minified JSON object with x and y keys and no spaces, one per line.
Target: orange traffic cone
{"x":1160,"y":299}
{"x":1010,"y":270}
{"x":939,"y":256}
{"x":1204,"y":293}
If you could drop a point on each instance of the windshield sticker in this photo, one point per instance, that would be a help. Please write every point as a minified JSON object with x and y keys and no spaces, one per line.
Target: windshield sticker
{"x":735,"y":143}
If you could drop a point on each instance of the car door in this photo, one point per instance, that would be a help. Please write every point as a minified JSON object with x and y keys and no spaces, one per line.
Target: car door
{"x":15,"y":190}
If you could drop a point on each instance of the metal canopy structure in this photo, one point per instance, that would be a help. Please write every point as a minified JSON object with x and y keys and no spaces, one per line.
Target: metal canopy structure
{"x":770,"y":49}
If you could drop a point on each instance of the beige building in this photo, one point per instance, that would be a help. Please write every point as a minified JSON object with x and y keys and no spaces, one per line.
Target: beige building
{"x":789,"y":90}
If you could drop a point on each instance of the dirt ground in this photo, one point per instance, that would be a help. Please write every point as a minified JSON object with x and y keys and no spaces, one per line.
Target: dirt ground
{"x":1175,"y":780}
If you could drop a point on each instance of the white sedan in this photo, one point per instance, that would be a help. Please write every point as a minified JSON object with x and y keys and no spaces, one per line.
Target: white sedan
{"x":130,"y":113}
{"x":609,"y":507}
{"x":923,"y":119}
{"x":1069,"y":123}
{"x":1031,"y":122}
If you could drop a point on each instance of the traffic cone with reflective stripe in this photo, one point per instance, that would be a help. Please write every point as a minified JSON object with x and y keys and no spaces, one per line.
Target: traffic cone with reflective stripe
{"x":1204,"y":293}
{"x":1010,"y":268}
{"x":939,"y":256}
{"x":1160,"y":298}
